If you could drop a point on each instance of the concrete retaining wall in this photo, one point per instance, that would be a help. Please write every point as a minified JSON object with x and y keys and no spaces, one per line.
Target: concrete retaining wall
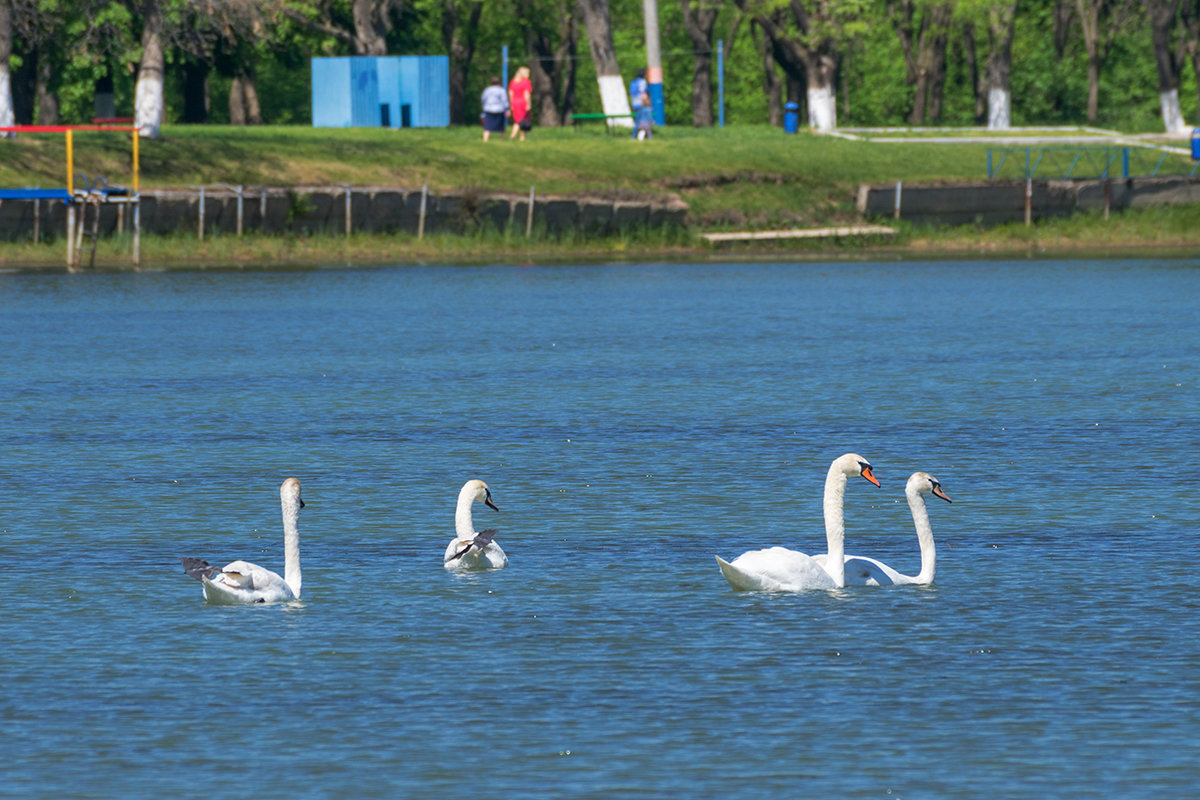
{"x":315,"y":209}
{"x":1004,"y":201}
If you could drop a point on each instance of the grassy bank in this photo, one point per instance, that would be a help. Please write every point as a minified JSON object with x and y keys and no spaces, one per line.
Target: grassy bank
{"x":745,"y":176}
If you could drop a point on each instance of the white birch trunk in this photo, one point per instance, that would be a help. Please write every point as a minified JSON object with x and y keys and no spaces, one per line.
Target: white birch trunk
{"x":822,"y":108}
{"x":999,"y":109}
{"x":1171,"y":113}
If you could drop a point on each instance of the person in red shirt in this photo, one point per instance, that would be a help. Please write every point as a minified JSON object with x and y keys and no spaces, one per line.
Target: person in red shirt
{"x":520,"y":100}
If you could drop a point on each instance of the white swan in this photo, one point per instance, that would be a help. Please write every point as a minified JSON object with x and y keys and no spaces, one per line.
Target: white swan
{"x":780,"y":569}
{"x":863,"y":571}
{"x":243,"y":582}
{"x":468,"y":549}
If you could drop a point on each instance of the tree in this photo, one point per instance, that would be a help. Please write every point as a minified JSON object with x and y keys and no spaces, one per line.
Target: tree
{"x":460,"y":30}
{"x":923,"y":29}
{"x":700,"y":19}
{"x":808,"y":45}
{"x":1162,"y":15}
{"x":552,"y":40}
{"x":1100,"y":21}
{"x":597,"y":21}
{"x":6,"y":48}
{"x":148,"y":96}
{"x":371,"y":21}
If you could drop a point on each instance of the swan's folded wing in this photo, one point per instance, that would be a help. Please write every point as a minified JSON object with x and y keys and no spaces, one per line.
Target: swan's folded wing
{"x":198,"y":568}
{"x":777,"y":569}
{"x":484,"y":538}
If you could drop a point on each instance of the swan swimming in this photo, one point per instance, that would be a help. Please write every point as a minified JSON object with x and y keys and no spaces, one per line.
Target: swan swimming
{"x":469,"y":550}
{"x":780,"y":569}
{"x":863,"y":571}
{"x":243,"y":582}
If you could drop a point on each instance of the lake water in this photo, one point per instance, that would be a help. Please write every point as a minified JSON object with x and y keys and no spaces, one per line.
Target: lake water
{"x":632,"y":421}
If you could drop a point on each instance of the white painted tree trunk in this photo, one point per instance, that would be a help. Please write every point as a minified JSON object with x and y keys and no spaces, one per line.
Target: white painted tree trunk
{"x":6,"y":102}
{"x":614,"y":99}
{"x":822,"y":108}
{"x":1171,"y":112}
{"x":999,"y":109}
{"x":148,"y":103}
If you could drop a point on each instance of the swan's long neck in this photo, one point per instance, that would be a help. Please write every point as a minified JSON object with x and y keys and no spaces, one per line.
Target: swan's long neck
{"x":916,"y":503}
{"x":291,"y":544}
{"x":464,"y":528}
{"x":835,"y":526}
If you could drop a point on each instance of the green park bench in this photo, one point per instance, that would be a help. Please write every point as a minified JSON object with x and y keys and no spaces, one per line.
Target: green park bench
{"x":578,"y":119}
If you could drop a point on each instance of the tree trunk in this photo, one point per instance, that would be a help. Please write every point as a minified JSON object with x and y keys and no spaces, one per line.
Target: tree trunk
{"x":553,"y":67}
{"x":7,"y":115}
{"x":810,"y":57}
{"x":924,"y":46}
{"x":1001,"y":24}
{"x":244,"y":108}
{"x":597,"y":21}
{"x":148,"y":99}
{"x":47,"y":101}
{"x":459,"y":38}
{"x":772,"y":85}
{"x":700,"y":18}
{"x":971,"y":56}
{"x":1089,"y":25}
{"x":371,"y":27}
{"x":1162,"y":14}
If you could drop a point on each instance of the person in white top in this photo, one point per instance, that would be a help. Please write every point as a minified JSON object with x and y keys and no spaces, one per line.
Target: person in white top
{"x":495,"y":108}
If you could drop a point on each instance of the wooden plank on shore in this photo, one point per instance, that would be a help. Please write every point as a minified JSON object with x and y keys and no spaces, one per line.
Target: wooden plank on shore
{"x":799,"y":233}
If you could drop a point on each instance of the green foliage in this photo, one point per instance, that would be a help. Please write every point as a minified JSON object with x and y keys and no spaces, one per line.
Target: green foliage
{"x":85,"y":40}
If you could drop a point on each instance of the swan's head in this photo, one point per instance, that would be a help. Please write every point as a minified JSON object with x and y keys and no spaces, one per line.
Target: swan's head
{"x":854,"y":465}
{"x":924,"y":483}
{"x":479,"y":492}
{"x":289,"y":492}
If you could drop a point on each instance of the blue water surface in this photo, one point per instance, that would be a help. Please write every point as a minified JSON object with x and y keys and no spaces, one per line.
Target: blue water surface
{"x":633,"y":421}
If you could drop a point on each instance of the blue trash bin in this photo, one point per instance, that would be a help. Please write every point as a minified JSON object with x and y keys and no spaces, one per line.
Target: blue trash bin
{"x":1196,"y":143}
{"x":791,"y":118}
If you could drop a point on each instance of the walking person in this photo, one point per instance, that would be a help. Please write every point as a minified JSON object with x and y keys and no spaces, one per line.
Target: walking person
{"x":520,"y":100}
{"x":495,"y":108}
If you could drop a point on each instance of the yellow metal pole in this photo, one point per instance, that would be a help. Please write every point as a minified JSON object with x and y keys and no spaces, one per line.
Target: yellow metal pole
{"x":70,"y":163}
{"x":135,"y":160}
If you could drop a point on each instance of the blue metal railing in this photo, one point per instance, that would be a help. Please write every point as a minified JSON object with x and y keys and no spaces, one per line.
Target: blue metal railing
{"x":1069,"y":161}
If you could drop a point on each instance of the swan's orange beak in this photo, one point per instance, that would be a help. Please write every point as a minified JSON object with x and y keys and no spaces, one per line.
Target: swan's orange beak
{"x":937,"y":490}
{"x":866,"y":473}
{"x":488,"y":502}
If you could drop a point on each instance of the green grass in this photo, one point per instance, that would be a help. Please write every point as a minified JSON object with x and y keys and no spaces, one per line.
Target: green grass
{"x":731,"y":178}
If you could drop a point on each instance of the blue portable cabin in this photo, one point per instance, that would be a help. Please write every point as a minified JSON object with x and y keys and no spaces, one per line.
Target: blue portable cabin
{"x":381,"y":91}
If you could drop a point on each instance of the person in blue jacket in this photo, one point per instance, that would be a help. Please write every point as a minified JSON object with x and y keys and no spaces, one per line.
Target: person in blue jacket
{"x":639,"y":101}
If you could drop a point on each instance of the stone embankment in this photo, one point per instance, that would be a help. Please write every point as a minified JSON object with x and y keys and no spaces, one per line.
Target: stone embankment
{"x":995,"y":202}
{"x":337,"y":209}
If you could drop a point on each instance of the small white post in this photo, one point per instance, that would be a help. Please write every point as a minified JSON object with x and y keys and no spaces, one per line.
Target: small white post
{"x":421,"y":217}
{"x":896,"y":210}
{"x":529,"y":215}
{"x":70,"y":235}
{"x":1028,"y":201}
{"x":137,"y":232}
{"x":348,"y":193}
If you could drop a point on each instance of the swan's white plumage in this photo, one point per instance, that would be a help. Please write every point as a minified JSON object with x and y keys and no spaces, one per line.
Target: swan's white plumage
{"x":464,"y":551}
{"x":863,"y":571}
{"x":780,"y":569}
{"x":243,"y":582}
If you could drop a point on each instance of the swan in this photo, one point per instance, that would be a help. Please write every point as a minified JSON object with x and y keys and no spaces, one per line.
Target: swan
{"x":863,"y":571}
{"x":468,"y":549}
{"x":780,"y":569}
{"x":243,"y":582}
